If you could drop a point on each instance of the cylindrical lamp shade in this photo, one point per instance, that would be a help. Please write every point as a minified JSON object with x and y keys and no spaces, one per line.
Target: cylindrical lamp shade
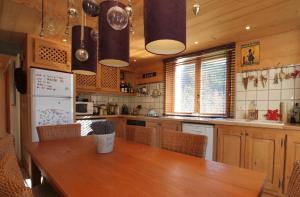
{"x":165,"y":26}
{"x":113,"y":44}
{"x":88,"y":67}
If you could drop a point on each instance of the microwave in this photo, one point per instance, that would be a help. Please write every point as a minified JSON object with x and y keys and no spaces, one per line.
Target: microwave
{"x":84,"y":108}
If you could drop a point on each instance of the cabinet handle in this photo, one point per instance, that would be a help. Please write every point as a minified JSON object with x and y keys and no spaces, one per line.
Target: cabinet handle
{"x":247,"y":134}
{"x":242,"y":133}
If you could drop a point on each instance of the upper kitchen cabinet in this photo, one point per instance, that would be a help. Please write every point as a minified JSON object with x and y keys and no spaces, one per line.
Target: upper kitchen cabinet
{"x":108,"y":78}
{"x":150,"y":73}
{"x":48,"y":54}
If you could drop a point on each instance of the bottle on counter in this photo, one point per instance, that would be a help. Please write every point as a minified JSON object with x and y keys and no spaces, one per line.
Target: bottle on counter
{"x":122,"y":86}
{"x":296,"y":112}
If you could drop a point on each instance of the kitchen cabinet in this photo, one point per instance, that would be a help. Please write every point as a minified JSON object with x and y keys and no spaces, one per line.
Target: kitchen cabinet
{"x":146,"y":74}
{"x":48,"y":54}
{"x":85,"y":83}
{"x":108,"y":78}
{"x":231,"y":145}
{"x":256,"y":149}
{"x":264,"y":152}
{"x":292,"y":154}
{"x":170,"y":125}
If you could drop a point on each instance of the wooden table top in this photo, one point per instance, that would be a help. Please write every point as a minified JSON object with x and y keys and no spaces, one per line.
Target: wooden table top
{"x":132,"y":169}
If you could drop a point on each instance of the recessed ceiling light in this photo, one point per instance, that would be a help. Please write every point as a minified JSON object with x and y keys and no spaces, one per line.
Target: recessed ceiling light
{"x":247,"y":27}
{"x":196,"y":42}
{"x":134,"y":60}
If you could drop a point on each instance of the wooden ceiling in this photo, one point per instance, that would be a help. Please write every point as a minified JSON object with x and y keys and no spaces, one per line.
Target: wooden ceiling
{"x":220,"y":21}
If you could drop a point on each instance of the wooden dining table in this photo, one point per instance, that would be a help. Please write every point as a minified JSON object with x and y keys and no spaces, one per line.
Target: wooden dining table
{"x":74,"y":169}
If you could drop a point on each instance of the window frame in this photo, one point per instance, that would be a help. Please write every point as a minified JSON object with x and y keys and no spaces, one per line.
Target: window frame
{"x":197,"y":61}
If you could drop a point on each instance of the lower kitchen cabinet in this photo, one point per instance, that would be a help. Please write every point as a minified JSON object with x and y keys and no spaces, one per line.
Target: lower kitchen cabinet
{"x":231,"y":145}
{"x":256,"y":149}
{"x":292,"y":154}
{"x":264,"y":152}
{"x":171,"y":125}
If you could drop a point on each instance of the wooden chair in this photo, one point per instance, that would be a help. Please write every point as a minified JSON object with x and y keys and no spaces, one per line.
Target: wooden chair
{"x":56,"y":132}
{"x":294,"y":182}
{"x":186,"y":143}
{"x":143,"y":135}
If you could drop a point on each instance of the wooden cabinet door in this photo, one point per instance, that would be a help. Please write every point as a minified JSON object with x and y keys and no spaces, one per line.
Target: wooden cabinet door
{"x":264,"y":152}
{"x":108,"y":78}
{"x":171,"y":125}
{"x":85,"y":83}
{"x":231,"y":144}
{"x":292,"y":154}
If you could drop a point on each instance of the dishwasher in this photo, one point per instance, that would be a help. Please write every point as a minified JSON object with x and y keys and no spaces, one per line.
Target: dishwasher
{"x":202,"y":129}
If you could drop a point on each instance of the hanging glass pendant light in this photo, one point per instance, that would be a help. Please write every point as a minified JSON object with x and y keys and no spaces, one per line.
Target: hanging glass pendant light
{"x":113,"y":44}
{"x":91,"y":7}
{"x":165,"y":26}
{"x":42,"y":32}
{"x":117,"y":17}
{"x":84,"y":53}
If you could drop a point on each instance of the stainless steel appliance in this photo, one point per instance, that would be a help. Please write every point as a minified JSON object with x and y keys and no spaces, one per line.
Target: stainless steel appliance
{"x":84,"y":108}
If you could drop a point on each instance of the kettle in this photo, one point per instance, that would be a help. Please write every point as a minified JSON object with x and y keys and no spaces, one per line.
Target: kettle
{"x":125,"y":110}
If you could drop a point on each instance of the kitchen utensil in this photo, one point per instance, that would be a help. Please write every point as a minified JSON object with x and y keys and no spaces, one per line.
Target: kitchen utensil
{"x":264,"y":80}
{"x":125,"y":110}
{"x":82,"y":54}
{"x":276,"y":77}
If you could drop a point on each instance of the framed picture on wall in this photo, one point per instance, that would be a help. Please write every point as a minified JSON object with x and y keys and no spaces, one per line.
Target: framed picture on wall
{"x":250,"y":54}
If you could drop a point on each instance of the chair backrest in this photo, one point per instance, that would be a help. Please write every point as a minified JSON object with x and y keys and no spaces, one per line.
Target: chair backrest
{"x":56,"y":132}
{"x":143,"y":135}
{"x":186,"y":143}
{"x":294,"y":182}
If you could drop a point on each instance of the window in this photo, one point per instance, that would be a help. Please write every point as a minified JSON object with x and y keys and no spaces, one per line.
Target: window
{"x":201,"y":86}
{"x":185,"y":88}
{"x":213,"y":86}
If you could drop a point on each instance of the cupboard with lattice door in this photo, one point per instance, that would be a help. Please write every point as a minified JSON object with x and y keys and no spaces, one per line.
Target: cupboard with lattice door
{"x":107,"y":79}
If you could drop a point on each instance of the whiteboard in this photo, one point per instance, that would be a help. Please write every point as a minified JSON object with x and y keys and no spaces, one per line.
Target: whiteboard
{"x":51,"y":83}
{"x":51,"y":111}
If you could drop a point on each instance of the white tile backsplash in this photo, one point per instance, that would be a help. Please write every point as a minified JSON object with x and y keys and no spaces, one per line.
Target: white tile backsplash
{"x":270,"y":96}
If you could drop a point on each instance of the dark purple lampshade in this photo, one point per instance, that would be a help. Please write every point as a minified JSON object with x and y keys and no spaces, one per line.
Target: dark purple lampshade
{"x":113,"y":44}
{"x":88,"y":67}
{"x":165,"y":26}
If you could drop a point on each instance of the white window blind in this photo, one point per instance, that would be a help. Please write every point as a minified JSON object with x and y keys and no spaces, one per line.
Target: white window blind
{"x":184,"y":88}
{"x":213,"y":86}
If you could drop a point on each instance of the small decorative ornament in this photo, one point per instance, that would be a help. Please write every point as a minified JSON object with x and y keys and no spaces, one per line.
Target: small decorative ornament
{"x":276,"y":77}
{"x":282,"y":75}
{"x":264,"y":80}
{"x":117,"y":18}
{"x":273,"y":115}
{"x":245,"y":81}
{"x":255,"y":81}
{"x":295,"y":74}
{"x":91,"y":7}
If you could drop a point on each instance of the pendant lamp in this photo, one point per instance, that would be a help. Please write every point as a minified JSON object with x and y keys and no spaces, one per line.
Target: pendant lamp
{"x":113,"y":44}
{"x":89,"y":66}
{"x":165,"y":26}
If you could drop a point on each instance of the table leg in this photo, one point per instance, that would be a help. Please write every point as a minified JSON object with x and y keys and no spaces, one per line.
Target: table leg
{"x":35,"y":175}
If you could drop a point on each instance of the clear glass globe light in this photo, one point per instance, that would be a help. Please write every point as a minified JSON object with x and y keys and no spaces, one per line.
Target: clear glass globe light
{"x":82,"y":55}
{"x":117,"y":18}
{"x":94,"y":35}
{"x":91,"y":7}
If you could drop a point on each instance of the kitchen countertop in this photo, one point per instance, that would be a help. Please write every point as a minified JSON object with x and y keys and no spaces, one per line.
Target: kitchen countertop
{"x":201,"y":120}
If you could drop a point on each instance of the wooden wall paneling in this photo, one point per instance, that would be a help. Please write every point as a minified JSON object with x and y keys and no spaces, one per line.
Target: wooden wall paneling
{"x":157,"y":67}
{"x":275,"y":51}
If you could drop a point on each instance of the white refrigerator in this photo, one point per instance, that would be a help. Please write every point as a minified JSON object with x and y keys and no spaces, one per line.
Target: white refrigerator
{"x":52,"y":99}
